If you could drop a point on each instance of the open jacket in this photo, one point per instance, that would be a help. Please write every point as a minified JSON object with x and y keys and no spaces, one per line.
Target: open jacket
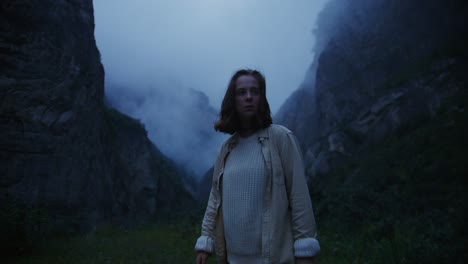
{"x":288,"y":223}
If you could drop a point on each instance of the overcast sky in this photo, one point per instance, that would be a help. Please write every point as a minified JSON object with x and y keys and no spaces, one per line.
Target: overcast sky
{"x":200,"y":43}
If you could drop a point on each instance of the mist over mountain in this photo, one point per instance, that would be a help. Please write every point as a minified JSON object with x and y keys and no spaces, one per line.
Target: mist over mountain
{"x":179,"y":121}
{"x":364,"y":50}
{"x":381,"y":116}
{"x":176,"y":49}
{"x":69,"y":163}
{"x":382,"y":121}
{"x":200,"y":44}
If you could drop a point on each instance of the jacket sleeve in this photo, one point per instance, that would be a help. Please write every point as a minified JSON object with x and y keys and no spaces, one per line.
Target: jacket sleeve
{"x":206,"y":241}
{"x":302,"y":215}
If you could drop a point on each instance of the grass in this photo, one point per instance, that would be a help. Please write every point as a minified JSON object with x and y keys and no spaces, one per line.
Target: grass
{"x":173,"y":243}
{"x":164,"y":243}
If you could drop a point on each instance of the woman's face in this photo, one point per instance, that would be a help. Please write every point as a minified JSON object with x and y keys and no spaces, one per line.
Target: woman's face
{"x":247,"y":97}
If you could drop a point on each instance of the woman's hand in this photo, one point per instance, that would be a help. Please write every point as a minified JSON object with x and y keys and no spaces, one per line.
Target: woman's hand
{"x":201,"y":257}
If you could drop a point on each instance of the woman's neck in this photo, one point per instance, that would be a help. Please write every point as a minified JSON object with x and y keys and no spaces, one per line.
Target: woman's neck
{"x":246,"y":132}
{"x":247,"y":127}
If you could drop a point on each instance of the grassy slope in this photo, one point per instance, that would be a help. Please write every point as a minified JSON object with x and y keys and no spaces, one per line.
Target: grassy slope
{"x":404,"y":201}
{"x":165,"y":243}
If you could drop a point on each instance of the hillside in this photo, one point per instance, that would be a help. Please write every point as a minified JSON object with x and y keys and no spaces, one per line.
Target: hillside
{"x":382,"y":121}
{"x":69,"y":163}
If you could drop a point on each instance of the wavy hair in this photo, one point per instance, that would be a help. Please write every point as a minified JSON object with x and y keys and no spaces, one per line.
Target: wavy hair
{"x":228,"y":121}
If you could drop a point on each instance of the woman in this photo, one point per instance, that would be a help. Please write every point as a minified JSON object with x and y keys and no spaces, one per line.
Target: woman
{"x":259,"y":209}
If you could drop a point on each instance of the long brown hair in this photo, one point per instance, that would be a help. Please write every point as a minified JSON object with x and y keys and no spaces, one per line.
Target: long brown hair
{"x":228,"y":121}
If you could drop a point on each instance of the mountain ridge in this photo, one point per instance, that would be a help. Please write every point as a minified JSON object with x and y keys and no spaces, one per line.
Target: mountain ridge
{"x":69,"y":163}
{"x":383,"y":130}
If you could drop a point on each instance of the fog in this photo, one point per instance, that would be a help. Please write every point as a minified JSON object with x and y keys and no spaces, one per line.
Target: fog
{"x":179,"y":46}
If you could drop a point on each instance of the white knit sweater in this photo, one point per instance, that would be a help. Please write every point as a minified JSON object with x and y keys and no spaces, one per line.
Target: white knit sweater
{"x":243,"y":187}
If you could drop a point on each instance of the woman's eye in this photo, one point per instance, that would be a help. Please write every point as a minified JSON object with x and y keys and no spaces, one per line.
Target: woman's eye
{"x":240,"y":92}
{"x":253,"y":91}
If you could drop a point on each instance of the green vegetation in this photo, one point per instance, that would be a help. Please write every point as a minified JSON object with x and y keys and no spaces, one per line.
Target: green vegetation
{"x":158,"y":243}
{"x":21,"y":225}
{"x":401,"y":201}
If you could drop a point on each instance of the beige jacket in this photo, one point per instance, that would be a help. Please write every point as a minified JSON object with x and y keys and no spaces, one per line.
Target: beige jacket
{"x":288,"y":223}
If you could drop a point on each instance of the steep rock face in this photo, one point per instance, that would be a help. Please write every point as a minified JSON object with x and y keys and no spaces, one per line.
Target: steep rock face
{"x":60,"y":148}
{"x":381,"y":66}
{"x":143,"y":180}
{"x":383,"y":128}
{"x":52,"y":88}
{"x":297,"y":114}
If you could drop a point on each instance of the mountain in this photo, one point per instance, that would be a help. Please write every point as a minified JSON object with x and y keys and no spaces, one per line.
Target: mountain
{"x":179,"y":121}
{"x":69,"y":163}
{"x":382,"y":121}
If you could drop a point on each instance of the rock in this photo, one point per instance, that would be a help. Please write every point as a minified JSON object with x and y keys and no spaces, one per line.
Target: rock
{"x":61,"y":149}
{"x":371,"y":78}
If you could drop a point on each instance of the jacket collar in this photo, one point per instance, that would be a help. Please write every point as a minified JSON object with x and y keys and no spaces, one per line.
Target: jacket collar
{"x":262,"y":135}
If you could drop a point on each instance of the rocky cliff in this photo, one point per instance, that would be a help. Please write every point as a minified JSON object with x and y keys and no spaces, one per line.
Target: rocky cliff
{"x":68,"y":162}
{"x":381,"y":65}
{"x":382,"y":121}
